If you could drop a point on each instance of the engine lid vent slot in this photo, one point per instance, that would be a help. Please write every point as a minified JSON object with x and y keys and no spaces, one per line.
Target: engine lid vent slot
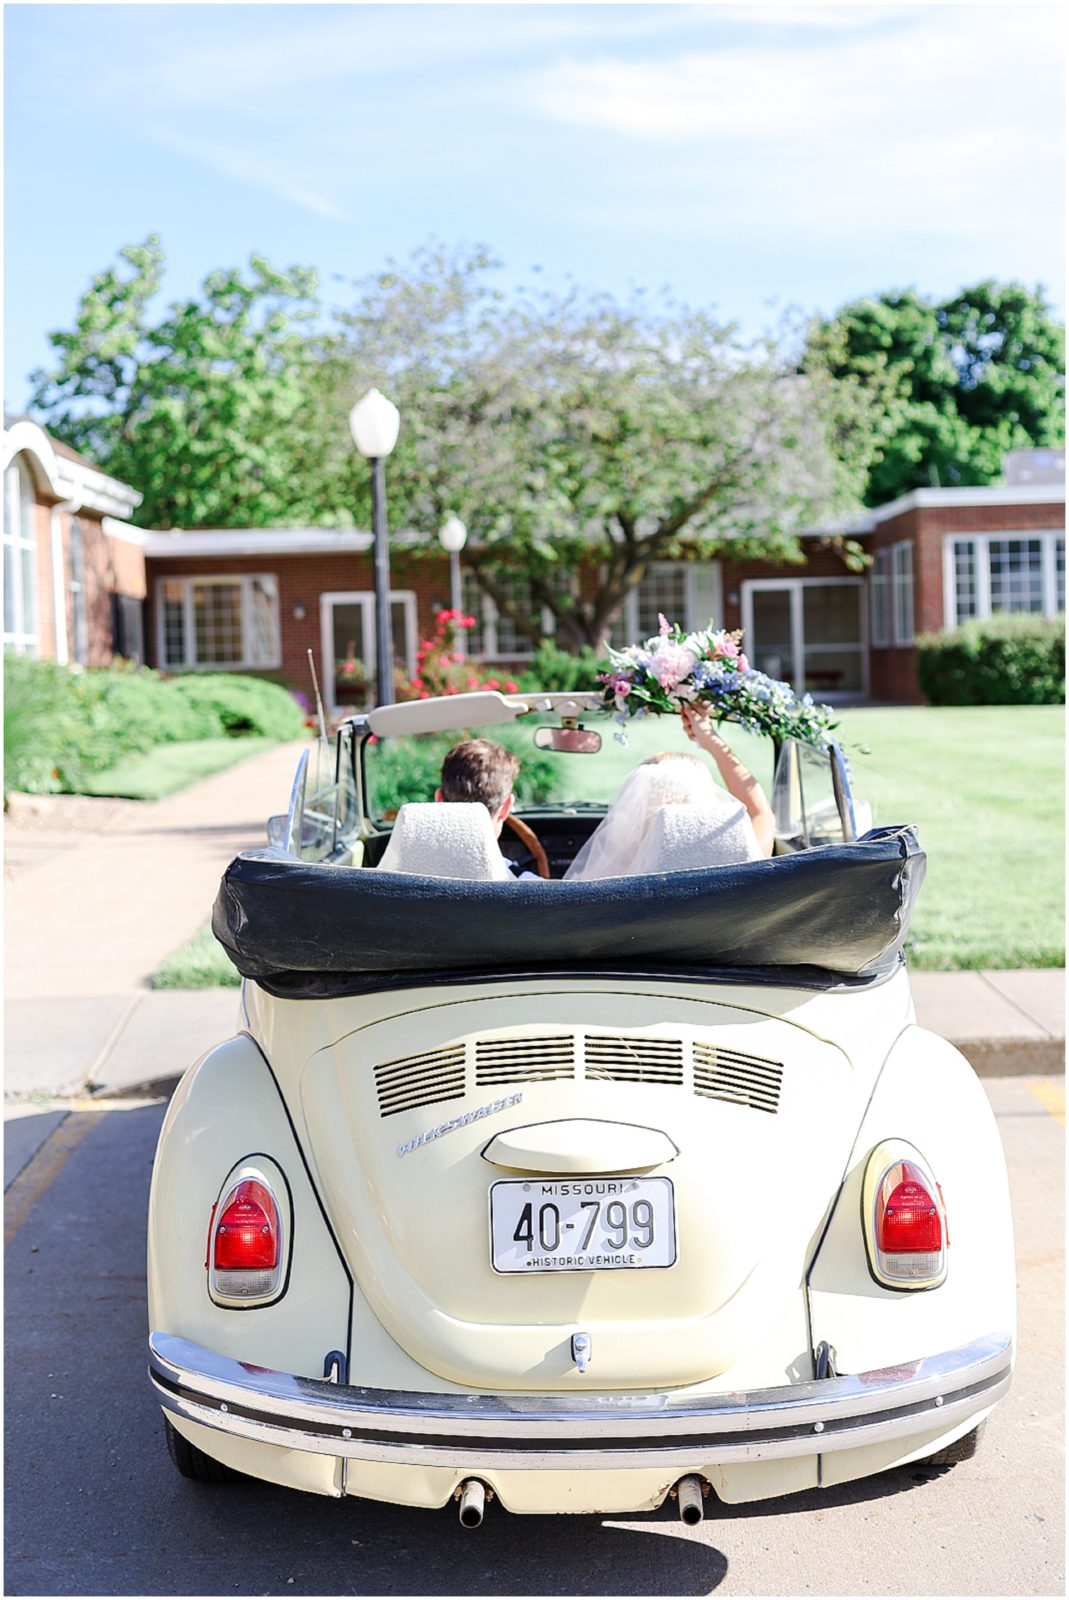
{"x":525,"y":1060}
{"x":634,"y":1060}
{"x":421,"y":1080}
{"x":723,"y":1074}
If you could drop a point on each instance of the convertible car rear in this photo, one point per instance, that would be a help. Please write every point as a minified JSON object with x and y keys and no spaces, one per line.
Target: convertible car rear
{"x":575,"y":1194}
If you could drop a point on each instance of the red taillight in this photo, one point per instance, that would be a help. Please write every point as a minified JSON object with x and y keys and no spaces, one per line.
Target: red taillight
{"x":245,"y":1243}
{"x":246,"y":1234}
{"x":909,"y":1225}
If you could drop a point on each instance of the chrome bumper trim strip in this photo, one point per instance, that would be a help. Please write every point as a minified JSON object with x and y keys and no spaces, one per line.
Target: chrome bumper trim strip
{"x":585,"y":1430}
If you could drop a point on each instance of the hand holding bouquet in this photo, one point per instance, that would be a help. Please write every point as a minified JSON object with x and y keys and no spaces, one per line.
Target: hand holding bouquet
{"x":707,"y":669}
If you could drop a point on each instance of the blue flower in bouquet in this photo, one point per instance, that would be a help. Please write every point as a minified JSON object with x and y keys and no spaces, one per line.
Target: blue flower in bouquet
{"x":707,"y":666}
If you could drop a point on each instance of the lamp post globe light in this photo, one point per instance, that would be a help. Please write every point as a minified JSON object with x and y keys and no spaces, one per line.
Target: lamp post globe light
{"x":374,"y":423}
{"x":453,"y":536}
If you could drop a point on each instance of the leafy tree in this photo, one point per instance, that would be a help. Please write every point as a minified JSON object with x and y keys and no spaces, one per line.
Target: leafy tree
{"x":568,"y":430}
{"x":575,"y":430}
{"x":954,"y":384}
{"x":211,"y":409}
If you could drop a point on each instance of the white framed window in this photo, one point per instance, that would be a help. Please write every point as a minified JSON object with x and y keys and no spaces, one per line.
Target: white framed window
{"x":20,"y":559}
{"x":891,"y":595}
{"x":987,"y":574}
{"x":495,"y":634}
{"x":79,"y":612}
{"x":687,"y":592}
{"x":225,"y":622}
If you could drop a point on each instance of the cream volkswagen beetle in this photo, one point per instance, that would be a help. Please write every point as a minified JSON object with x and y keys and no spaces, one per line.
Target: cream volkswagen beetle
{"x":574,"y":1196}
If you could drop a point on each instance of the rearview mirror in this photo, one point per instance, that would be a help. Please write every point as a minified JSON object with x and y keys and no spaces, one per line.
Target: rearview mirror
{"x":569,"y":741}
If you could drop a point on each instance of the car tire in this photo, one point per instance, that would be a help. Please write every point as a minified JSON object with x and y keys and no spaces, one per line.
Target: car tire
{"x":962,"y":1449}
{"x":193,"y":1463}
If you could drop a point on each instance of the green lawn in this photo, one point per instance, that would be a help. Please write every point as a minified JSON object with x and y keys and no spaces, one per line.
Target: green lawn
{"x":200,"y":963}
{"x":983,"y":784}
{"x":166,"y":768}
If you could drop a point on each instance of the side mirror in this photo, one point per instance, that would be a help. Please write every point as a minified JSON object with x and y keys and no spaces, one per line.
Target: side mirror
{"x":568,"y":741}
{"x":277,"y":830}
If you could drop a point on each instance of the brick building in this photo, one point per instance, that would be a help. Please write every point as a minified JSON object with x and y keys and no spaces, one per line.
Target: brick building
{"x":83,"y":584}
{"x":72,"y":591}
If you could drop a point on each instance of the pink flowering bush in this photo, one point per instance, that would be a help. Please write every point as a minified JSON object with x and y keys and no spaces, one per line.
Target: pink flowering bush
{"x":442,"y":669}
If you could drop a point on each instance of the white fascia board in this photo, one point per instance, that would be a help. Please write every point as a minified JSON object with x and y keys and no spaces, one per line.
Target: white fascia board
{"x":69,"y":480}
{"x":1029,"y":494}
{"x":197,"y":543}
{"x":96,"y":491}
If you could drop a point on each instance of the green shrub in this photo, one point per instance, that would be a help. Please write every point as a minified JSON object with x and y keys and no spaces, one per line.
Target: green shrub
{"x":400,"y":770}
{"x":558,"y":671}
{"x":63,"y":725}
{"x":1005,"y":661}
{"x":243,"y":705}
{"x":38,"y":717}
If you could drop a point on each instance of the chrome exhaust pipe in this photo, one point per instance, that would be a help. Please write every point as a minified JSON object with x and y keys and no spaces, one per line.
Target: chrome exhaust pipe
{"x":691,"y":1507}
{"x":472,"y":1503}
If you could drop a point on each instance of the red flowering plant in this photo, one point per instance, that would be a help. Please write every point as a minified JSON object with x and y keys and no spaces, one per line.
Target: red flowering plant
{"x":442,"y":669}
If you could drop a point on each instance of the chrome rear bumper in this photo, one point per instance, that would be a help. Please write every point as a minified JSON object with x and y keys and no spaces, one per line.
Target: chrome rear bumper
{"x":559,"y":1432}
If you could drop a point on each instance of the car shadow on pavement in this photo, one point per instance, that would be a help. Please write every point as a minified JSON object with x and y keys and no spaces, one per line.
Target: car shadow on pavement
{"x":300,"y":1544}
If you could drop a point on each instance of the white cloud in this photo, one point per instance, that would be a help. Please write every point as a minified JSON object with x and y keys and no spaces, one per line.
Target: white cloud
{"x":255,"y":167}
{"x":946,"y":121}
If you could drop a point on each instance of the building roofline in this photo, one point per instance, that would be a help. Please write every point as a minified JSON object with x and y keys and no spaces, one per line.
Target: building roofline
{"x":66,"y":475}
{"x":196,"y":543}
{"x":990,"y":494}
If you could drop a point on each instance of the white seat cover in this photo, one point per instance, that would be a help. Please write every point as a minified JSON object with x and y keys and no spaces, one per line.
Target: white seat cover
{"x":684,"y":838}
{"x":446,"y":839}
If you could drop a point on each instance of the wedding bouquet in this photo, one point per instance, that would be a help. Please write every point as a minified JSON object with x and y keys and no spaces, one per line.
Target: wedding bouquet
{"x":708,"y":668}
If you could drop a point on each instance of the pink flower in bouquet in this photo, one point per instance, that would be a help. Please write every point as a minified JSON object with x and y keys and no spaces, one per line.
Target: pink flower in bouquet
{"x":663,"y":624}
{"x":726,"y":647}
{"x":670,"y":663}
{"x":743,"y":663}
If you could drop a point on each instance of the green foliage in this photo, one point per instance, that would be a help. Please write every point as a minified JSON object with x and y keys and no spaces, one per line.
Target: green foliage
{"x":570,"y":426}
{"x":558,"y":425}
{"x":38,"y":718}
{"x":953,"y":385}
{"x":1005,"y":661}
{"x":63,"y":726}
{"x":209,"y":408}
{"x":243,"y":705}
{"x":560,"y":671}
{"x":400,"y":770}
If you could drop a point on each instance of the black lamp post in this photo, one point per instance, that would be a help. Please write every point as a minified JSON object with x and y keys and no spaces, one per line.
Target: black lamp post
{"x":374,"y":422}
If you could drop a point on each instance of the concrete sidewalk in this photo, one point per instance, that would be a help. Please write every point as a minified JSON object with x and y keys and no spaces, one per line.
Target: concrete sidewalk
{"x":90,"y":916}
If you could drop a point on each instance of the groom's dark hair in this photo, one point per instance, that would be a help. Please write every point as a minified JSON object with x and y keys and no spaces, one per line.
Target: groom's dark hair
{"x":479,"y":770}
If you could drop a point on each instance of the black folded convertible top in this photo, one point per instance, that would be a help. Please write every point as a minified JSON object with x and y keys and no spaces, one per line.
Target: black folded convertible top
{"x":822,"y":917}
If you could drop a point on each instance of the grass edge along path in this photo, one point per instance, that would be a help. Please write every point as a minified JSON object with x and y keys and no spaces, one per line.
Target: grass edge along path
{"x":200,"y":963}
{"x":167,"y":768}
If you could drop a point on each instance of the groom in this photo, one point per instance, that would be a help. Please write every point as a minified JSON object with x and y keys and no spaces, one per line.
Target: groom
{"x":479,"y":770}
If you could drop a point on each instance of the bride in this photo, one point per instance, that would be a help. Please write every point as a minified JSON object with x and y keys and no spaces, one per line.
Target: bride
{"x":734,"y":826}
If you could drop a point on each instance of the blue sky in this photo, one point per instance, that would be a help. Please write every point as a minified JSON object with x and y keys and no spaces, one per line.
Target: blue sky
{"x":748,"y":156}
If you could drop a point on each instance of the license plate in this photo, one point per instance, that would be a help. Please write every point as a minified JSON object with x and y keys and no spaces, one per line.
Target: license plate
{"x":582,"y":1224}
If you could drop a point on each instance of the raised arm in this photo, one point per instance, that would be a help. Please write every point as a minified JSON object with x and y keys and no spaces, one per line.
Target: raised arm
{"x":738,"y":779}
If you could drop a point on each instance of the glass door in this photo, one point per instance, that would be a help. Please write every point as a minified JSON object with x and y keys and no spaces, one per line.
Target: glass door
{"x":808,"y":632}
{"x":769,"y":636}
{"x":833,"y":644}
{"x":347,"y":626}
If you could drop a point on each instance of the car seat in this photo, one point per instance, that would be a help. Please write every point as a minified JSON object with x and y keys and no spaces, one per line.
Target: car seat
{"x":684,"y":838}
{"x":445,"y":839}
